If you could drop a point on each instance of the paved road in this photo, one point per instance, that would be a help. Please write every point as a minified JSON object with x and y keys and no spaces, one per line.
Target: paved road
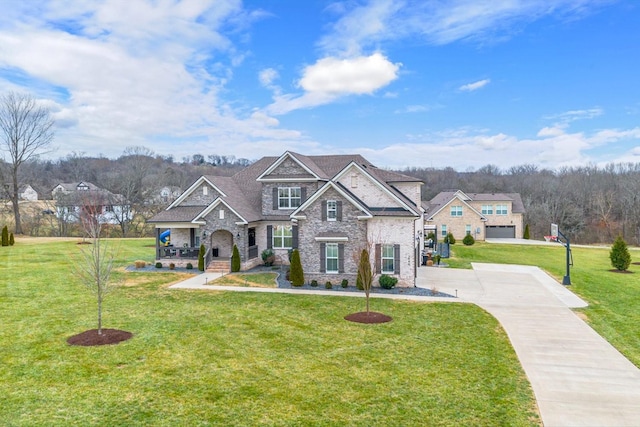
{"x":578,"y":378}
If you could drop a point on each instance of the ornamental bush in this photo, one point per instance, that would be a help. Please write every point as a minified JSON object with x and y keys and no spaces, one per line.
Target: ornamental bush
{"x":235,"y":260}
{"x":296,"y":274}
{"x":12,"y":240}
{"x":450,"y":239}
{"x":387,"y":282}
{"x":468,"y":240}
{"x":619,"y":255}
{"x":526,"y":234}
{"x":344,"y":283}
{"x":158,"y":265}
{"x":201,"y":258}
{"x":314,"y":283}
{"x":5,"y":236}
{"x":189,"y":266}
{"x":328,"y":285}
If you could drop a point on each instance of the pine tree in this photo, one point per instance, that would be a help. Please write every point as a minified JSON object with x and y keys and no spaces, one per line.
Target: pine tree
{"x":619,"y":255}
{"x":5,"y":236}
{"x":297,"y":274}
{"x":526,"y":234}
{"x":235,"y":260}
{"x":12,"y":240}
{"x":201,"y":258}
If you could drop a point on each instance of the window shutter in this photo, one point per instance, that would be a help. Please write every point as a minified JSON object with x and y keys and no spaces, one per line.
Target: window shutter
{"x":303,"y":194}
{"x":341,"y":258}
{"x":269,"y":236}
{"x":378,"y":258}
{"x":275,"y":198}
{"x":339,"y":210}
{"x":324,"y":210}
{"x":323,"y":257}
{"x":294,"y":236}
{"x":396,"y":259}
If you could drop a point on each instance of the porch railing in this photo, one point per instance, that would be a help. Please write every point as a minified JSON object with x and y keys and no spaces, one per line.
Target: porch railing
{"x":176,"y":252}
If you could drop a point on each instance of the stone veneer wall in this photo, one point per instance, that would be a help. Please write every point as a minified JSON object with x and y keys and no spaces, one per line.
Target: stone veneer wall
{"x":197,"y":198}
{"x":309,"y":228}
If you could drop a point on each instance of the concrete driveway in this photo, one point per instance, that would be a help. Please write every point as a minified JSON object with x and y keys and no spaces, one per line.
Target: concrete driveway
{"x":578,"y":378}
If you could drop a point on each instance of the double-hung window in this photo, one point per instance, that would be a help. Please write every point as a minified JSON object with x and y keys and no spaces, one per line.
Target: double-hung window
{"x":332,"y":210}
{"x":443,"y":230}
{"x":487,"y":209}
{"x":388,"y":259}
{"x":501,"y":209}
{"x":467,"y":229}
{"x":289,"y":197}
{"x":282,"y":236}
{"x":456,"y":210}
{"x":331,"y":258}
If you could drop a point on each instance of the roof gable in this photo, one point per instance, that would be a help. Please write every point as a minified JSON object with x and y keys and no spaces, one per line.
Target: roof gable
{"x":290,"y":167}
{"x":217,"y":202}
{"x":444,"y":199}
{"x":331,"y":185}
{"x":192,"y":188}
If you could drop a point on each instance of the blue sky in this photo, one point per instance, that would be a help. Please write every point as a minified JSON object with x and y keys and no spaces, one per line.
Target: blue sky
{"x":435,"y":83}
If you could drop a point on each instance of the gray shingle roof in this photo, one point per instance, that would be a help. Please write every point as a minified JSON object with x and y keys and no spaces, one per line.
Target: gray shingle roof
{"x":178,"y":214}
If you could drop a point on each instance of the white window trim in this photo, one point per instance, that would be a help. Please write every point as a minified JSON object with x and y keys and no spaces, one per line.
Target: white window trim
{"x":281,"y":236}
{"x":455,"y":211}
{"x":487,"y":210}
{"x":383,"y":258}
{"x":332,"y":206}
{"x":289,"y":198}
{"x":501,"y":212}
{"x":327,"y":258}
{"x":443,"y":230}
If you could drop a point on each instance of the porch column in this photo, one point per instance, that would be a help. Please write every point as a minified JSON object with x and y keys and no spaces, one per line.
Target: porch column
{"x":157,"y":243}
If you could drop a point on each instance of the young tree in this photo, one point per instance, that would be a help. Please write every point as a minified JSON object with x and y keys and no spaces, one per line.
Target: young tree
{"x":201,"y":253}
{"x":619,"y":254}
{"x":26,"y":130}
{"x":365,"y":274}
{"x":235,"y":260}
{"x":526,"y":234}
{"x":96,"y":262}
{"x":297,"y":274}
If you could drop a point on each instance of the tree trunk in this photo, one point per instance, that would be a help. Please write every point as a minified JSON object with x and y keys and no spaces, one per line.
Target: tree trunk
{"x":15,"y":202}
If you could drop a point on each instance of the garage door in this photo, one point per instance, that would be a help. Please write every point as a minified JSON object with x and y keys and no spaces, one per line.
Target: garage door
{"x":501,"y":231}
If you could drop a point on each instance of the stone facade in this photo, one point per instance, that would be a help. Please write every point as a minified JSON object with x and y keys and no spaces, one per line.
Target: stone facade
{"x":314,"y":226}
{"x":203,"y":195}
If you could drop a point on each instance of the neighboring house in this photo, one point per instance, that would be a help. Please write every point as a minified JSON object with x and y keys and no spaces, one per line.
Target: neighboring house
{"x":328,"y":207}
{"x":483,"y":215}
{"x":26,"y":192}
{"x":168,"y":194}
{"x":73,"y":200}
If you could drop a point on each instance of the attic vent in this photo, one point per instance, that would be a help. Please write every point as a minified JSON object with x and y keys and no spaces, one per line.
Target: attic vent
{"x":354,"y":181}
{"x":205,"y":190}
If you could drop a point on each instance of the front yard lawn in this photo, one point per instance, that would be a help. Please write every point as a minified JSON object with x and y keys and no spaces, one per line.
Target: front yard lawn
{"x":226,"y":358}
{"x":254,"y":280}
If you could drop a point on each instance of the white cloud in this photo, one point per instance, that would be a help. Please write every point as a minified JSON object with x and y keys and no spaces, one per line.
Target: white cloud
{"x":331,"y":78}
{"x":413,"y":109}
{"x":573,"y":115}
{"x":470,"y":87}
{"x":268,"y":76}
{"x":440,"y":22}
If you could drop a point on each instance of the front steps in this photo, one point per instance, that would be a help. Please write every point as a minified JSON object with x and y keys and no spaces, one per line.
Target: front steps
{"x":219,"y":266}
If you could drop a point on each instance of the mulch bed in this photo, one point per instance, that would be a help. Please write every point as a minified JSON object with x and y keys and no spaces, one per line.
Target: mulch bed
{"x":370,"y":317}
{"x":91,"y":337}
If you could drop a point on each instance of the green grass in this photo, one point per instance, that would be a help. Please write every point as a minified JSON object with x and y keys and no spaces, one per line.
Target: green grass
{"x":226,"y":358}
{"x":614,"y":298}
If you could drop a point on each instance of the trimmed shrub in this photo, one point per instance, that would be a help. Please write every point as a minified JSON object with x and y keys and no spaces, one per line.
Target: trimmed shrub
{"x":268,"y":256}
{"x":450,"y":239}
{"x":619,"y":255}
{"x":314,"y":283}
{"x":235,"y":260}
{"x":158,"y":265}
{"x":12,"y":240}
{"x":526,"y":234}
{"x":344,"y":283}
{"x":201,"y":253}
{"x":172,"y":266}
{"x":328,"y":285}
{"x":189,"y":266}
{"x":140,"y":264}
{"x":297,"y":274}
{"x":5,"y":236}
{"x":387,"y":282}
{"x":468,"y":240}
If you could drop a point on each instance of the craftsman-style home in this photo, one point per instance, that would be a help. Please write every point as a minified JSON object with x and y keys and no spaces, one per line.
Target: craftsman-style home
{"x":328,"y":207}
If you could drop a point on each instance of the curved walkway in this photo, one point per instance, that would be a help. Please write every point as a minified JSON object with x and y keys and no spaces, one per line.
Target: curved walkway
{"x":578,"y":378}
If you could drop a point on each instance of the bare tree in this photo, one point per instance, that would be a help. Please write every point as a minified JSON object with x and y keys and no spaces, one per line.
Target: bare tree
{"x":27,"y":130}
{"x":96,"y":262}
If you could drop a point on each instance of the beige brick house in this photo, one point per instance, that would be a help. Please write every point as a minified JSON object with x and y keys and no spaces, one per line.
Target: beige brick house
{"x":328,"y":207}
{"x":483,"y":215}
